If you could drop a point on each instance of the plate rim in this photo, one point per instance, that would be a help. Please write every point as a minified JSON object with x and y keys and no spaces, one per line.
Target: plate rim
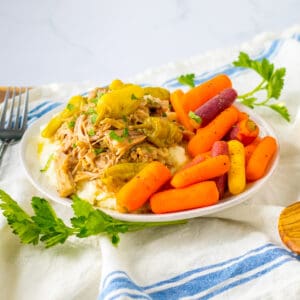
{"x":182,"y":215}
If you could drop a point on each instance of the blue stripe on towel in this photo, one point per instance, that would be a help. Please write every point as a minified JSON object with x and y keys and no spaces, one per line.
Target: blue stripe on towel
{"x":245,"y":280}
{"x":35,"y":114}
{"x":173,"y":288}
{"x":191,"y":272}
{"x":38,"y":107}
{"x":229,"y":69}
{"x":131,"y":296}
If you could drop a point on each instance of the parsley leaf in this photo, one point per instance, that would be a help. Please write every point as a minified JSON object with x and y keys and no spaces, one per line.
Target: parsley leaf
{"x":97,"y":151}
{"x":272,"y":84}
{"x":125,"y":132}
{"x":195,"y":117}
{"x":71,"y":124}
{"x":19,"y":221}
{"x":282,"y":110}
{"x":94,"y":118}
{"x":48,"y":163}
{"x":70,"y":106}
{"x":46,"y":227}
{"x":113,"y":135}
{"x":53,"y":229}
{"x":91,"y":132}
{"x":187,"y":79}
{"x":91,"y":111}
{"x":134,"y":97}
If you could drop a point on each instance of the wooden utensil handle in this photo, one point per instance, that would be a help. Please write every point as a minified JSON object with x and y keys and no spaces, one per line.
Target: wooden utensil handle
{"x":3,"y":90}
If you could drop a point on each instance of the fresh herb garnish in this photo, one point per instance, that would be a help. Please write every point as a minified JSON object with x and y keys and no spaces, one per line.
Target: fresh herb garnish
{"x":94,"y":100}
{"x":134,"y":97}
{"x":46,"y":227}
{"x":94,"y":118}
{"x":70,"y":106}
{"x":48,"y":163}
{"x":91,"y":132}
{"x":91,"y":111}
{"x":187,"y":79}
{"x":114,"y":136}
{"x":71,"y":124}
{"x":125,"y":132}
{"x":97,"y":151}
{"x":272,"y":83}
{"x":195,"y":117}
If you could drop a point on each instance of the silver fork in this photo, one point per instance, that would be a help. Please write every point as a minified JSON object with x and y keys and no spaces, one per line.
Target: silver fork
{"x":13,"y":123}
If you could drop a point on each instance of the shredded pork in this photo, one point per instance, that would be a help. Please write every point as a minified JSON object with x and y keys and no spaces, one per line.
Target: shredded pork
{"x":90,"y":146}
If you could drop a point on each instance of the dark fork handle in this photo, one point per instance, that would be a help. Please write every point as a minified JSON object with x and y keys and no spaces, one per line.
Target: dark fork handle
{"x":3,"y":147}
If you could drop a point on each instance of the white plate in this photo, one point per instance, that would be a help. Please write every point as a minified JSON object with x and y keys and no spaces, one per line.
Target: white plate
{"x":28,"y":153}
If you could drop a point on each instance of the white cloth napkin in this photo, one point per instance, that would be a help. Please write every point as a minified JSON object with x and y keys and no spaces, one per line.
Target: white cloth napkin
{"x":233,"y":254}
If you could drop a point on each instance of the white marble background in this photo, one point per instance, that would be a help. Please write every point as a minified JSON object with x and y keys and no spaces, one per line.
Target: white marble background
{"x":44,"y":41}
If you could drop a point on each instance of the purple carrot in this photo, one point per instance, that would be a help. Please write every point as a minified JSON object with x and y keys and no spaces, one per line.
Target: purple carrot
{"x":210,"y":109}
{"x":220,"y":148}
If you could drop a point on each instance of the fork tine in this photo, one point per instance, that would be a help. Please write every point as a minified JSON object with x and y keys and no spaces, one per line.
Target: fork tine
{"x":3,"y":113}
{"x":11,"y":108}
{"x":25,"y":111}
{"x":18,"y":109}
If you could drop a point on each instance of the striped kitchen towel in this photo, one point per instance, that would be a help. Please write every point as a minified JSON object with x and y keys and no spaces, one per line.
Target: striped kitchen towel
{"x":236,"y":253}
{"x":232,"y":254}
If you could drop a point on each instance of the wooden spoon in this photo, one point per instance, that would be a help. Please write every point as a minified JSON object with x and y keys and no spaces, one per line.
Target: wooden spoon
{"x":289,"y":227}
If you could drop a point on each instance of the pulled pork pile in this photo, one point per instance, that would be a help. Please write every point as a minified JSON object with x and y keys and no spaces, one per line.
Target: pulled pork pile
{"x":110,"y":135}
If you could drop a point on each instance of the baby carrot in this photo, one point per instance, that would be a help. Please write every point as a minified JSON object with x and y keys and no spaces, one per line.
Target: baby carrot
{"x":260,"y":158}
{"x":137,"y":191}
{"x":196,"y":160}
{"x":203,"y":140}
{"x":194,"y":196}
{"x":220,"y":148}
{"x":244,"y":131}
{"x":249,"y":149}
{"x":236,"y":173}
{"x":176,"y":99}
{"x":207,"y":169}
{"x":198,"y":95}
{"x":242,"y":116}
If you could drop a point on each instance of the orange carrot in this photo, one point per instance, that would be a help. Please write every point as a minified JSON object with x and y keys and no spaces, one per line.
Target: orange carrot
{"x":244,"y":131}
{"x":198,"y":95}
{"x":207,"y":169}
{"x":260,"y":158}
{"x":242,"y":116}
{"x":196,"y":160}
{"x":176,"y":99}
{"x":214,"y":131}
{"x":138,"y":190}
{"x":194,"y":196}
{"x":249,"y":149}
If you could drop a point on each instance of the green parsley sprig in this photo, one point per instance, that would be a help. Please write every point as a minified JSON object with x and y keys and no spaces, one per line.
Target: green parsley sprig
{"x":272,"y":83}
{"x":187,"y":79}
{"x":47,"y":228}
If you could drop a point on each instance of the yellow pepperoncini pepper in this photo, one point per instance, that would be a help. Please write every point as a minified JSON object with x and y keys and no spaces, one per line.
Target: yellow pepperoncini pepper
{"x":73,"y":108}
{"x":120,"y":102}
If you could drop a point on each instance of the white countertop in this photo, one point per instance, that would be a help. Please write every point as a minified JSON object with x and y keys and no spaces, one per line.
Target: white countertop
{"x":73,"y":40}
